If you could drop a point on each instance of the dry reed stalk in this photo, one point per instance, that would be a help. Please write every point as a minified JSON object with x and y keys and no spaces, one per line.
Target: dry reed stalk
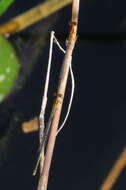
{"x":60,"y":96}
{"x":115,"y":172}
{"x":32,"y":16}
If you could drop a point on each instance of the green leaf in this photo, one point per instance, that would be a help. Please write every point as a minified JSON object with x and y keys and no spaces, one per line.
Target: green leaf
{"x":8,"y":67}
{"x":4,"y":4}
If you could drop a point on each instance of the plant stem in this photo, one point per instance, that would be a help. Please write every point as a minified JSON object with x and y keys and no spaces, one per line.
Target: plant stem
{"x":60,"y":96}
{"x":115,"y":172}
{"x":32,"y":16}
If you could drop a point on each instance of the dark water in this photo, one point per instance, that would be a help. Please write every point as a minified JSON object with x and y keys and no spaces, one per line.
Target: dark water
{"x":94,"y":134}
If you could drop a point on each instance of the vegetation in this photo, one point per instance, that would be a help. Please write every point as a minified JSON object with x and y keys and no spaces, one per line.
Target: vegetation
{"x":4,"y":4}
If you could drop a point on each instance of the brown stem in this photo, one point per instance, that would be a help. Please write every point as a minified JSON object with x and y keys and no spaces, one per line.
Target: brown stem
{"x":115,"y":172}
{"x":32,"y":16}
{"x":60,"y":96}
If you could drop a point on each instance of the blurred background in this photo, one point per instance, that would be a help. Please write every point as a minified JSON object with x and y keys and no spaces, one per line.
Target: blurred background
{"x":95,"y":132}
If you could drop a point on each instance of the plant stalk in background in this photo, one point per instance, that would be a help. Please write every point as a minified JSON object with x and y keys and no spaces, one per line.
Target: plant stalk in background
{"x":32,"y":16}
{"x":60,"y":96}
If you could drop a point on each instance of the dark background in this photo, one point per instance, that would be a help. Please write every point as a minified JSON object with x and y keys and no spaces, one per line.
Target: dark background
{"x":94,"y":134}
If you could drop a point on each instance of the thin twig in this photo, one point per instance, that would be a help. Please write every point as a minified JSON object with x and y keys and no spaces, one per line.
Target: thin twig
{"x":72,"y":90}
{"x":115,"y":172}
{"x":32,"y":16}
{"x":44,"y":134}
{"x":44,"y":102}
{"x":60,"y":96}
